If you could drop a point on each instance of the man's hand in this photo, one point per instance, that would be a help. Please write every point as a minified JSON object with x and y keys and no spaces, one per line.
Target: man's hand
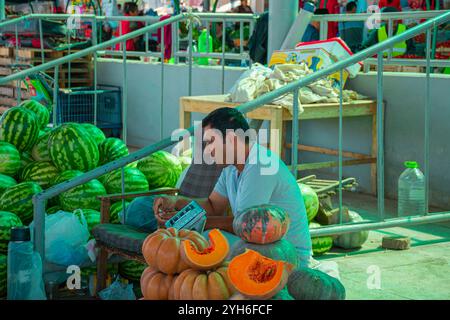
{"x":164,"y":209}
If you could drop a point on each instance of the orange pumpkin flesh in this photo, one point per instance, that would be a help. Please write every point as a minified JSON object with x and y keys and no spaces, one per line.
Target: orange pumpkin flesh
{"x":209,"y":257}
{"x":256,"y":276}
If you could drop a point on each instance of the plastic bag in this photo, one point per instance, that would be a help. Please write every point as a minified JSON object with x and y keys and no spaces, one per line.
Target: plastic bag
{"x":66,"y":236}
{"x":139,"y":214}
{"x":118,"y":291}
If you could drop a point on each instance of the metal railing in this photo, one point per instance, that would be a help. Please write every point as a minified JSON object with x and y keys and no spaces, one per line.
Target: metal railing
{"x":39,"y":200}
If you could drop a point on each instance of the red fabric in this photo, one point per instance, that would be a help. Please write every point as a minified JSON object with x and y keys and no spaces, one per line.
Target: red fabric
{"x":390,"y":3}
{"x":333,"y":8}
{"x":126,"y":28}
{"x":167,"y":38}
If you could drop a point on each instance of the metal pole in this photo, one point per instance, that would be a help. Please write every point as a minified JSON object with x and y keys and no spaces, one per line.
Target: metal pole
{"x":146,"y":38}
{"x":41,"y":40}
{"x":19,"y":81}
{"x":241,"y":40}
{"x":2,"y":10}
{"x":190,"y":60}
{"x":427,"y":122}
{"x":163,"y":49}
{"x":341,"y":79}
{"x":389,"y":54}
{"x":94,"y":41}
{"x":380,"y":139}
{"x":39,"y":227}
{"x":122,"y":174}
{"x":55,"y":95}
{"x":294,"y":151}
{"x":124,"y":94}
{"x":223,"y":55}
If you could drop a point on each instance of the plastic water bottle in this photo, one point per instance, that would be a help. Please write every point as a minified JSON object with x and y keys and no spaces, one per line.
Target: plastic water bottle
{"x":411,"y":191}
{"x":205,"y":45}
{"x":24,"y":268}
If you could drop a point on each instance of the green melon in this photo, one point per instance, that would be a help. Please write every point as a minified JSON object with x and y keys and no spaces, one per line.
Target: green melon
{"x":162,"y":169}
{"x":112,"y":149}
{"x":18,"y":199}
{"x":41,"y":112}
{"x":19,"y":126}
{"x":352,"y":240}
{"x":8,"y":220}
{"x":92,"y":217}
{"x":95,"y":132}
{"x":72,"y":148}
{"x":114,"y":211}
{"x":40,"y":152}
{"x":10,"y":161}
{"x":41,"y":172}
{"x":131,"y":269}
{"x":3,"y":275}
{"x":320,"y":245}
{"x":83,"y":196}
{"x":53,"y":209}
{"x":310,"y":199}
{"x":135,"y":181}
{"x":6,"y":182}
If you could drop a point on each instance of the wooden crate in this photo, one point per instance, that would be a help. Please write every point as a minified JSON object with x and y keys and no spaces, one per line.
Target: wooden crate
{"x":6,"y":52}
{"x":415,"y":69}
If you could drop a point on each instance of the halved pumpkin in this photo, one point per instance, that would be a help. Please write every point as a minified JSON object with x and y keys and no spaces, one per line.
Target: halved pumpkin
{"x":256,"y":276}
{"x":212,"y":256}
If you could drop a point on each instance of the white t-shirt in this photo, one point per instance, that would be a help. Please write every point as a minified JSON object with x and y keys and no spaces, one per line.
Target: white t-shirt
{"x":267,"y":180}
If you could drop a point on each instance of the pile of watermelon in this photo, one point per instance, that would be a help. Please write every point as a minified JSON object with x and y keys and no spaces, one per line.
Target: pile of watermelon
{"x":35,"y":157}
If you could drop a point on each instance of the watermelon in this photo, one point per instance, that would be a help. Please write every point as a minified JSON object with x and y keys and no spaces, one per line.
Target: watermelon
{"x":39,"y":152}
{"x":92,"y":217}
{"x":41,"y":112}
{"x":72,"y":148}
{"x":131,"y":269}
{"x":18,"y":199}
{"x":83,"y":196}
{"x":310,"y":199}
{"x":95,"y":132}
{"x":114,"y":211}
{"x":112,"y":149}
{"x":10,"y":161}
{"x":66,"y":175}
{"x":53,"y":209}
{"x":25,"y":158}
{"x":162,"y":169}
{"x":8,"y":220}
{"x":3,"y":275}
{"x":320,"y":245}
{"x":135,"y":181}
{"x":352,"y":240}
{"x":41,"y":172}
{"x":112,"y":269}
{"x":19,"y":127}
{"x":6,"y":182}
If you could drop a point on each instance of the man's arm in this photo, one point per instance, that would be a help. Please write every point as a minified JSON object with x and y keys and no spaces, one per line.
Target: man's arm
{"x":214,"y":205}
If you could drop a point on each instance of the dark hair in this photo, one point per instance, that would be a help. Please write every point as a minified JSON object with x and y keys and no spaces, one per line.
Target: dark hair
{"x":321,"y":11}
{"x":130,"y":7}
{"x":224,"y":119}
{"x":350,"y":6}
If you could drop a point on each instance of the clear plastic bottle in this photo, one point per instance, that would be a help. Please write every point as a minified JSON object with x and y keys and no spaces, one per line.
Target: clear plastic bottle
{"x":411,"y":191}
{"x":24,"y":268}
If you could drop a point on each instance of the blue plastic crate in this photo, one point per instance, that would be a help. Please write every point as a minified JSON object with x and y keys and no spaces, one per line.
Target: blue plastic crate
{"x":77,"y":105}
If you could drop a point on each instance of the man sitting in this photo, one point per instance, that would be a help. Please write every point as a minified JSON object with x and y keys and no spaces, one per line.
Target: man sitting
{"x":252,"y":175}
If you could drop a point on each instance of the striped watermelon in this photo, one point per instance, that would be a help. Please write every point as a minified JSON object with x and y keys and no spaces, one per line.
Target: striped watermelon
{"x":19,"y":127}
{"x":114,"y":211}
{"x":8,"y":220}
{"x":66,"y":175}
{"x":6,"y":182}
{"x":95,"y":132}
{"x":131,"y":269}
{"x":162,"y":169}
{"x":25,"y":158}
{"x":42,"y":114}
{"x":3,"y":275}
{"x":18,"y":199}
{"x":72,"y":148}
{"x":83,"y":196}
{"x":112,"y":149}
{"x":40,"y":152}
{"x":41,"y":172}
{"x":92,"y":217}
{"x":135,"y":181}
{"x":320,"y":245}
{"x":310,"y":199}
{"x":10,"y":161}
{"x":112,"y":269}
{"x":53,"y":209}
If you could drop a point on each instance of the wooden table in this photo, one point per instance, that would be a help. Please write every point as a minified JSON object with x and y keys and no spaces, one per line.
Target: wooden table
{"x":278,"y":116}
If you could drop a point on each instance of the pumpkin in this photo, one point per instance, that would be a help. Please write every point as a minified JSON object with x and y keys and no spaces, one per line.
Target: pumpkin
{"x":280,"y":250}
{"x":256,"y":276}
{"x":202,"y":285}
{"x":354,"y":239}
{"x":161,"y":249}
{"x":155,"y":285}
{"x":212,"y":256}
{"x":312,"y":284}
{"x":310,"y":199}
{"x":320,"y":245}
{"x":261,"y":224}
